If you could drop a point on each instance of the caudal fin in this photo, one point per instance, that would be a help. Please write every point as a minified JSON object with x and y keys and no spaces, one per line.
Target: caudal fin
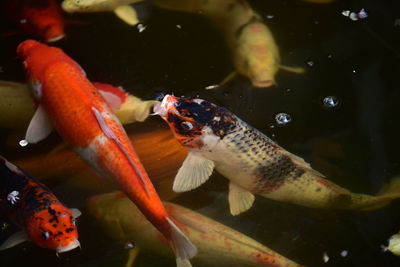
{"x":184,"y":248}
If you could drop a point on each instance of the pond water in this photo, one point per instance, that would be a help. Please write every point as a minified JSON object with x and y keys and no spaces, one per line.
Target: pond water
{"x":342,"y":116}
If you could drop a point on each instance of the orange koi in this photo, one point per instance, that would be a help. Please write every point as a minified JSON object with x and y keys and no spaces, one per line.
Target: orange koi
{"x":39,"y":18}
{"x":71,"y":104}
{"x":34,"y":208}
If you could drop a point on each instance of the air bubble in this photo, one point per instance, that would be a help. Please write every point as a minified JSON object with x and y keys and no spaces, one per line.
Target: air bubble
{"x":23,"y":143}
{"x":310,"y":63}
{"x":331,"y":101}
{"x":283,"y":118}
{"x":141,"y":27}
{"x":129,"y":246}
{"x":344,"y":253}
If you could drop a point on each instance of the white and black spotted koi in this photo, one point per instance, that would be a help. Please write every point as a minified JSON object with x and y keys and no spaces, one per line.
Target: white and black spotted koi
{"x":36,"y":210}
{"x":252,"y":162}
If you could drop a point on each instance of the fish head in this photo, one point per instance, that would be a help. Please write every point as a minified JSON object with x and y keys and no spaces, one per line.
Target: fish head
{"x":45,"y":20}
{"x":72,"y":6}
{"x":196,"y":123}
{"x":53,"y":228}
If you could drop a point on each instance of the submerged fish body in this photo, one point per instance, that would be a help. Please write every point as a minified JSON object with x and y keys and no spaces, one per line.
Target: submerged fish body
{"x":35,"y":209}
{"x":218,"y":244}
{"x":40,"y":18}
{"x":254,"y":50}
{"x":121,"y":8}
{"x":252,"y":162}
{"x":71,"y":104}
{"x":17,"y":106}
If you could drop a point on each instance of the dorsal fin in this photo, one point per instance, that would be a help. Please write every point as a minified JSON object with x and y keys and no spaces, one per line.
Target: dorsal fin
{"x":110,"y":134}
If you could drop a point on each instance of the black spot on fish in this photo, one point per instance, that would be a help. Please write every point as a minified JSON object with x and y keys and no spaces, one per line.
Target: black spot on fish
{"x":201,"y":115}
{"x":68,"y":230}
{"x":318,"y":189}
{"x":275,"y":173}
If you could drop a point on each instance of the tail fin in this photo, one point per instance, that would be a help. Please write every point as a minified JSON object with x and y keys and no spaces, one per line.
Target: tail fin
{"x":184,"y":248}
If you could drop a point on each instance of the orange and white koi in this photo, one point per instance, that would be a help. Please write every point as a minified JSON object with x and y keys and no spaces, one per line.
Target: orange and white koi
{"x":33,"y":207}
{"x":254,"y":164}
{"x":42,"y":19}
{"x":71,"y":104}
{"x":218,"y":244}
{"x":253,"y":47}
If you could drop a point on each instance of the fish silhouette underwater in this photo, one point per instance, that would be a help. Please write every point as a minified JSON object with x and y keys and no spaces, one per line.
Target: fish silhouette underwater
{"x":218,"y":245}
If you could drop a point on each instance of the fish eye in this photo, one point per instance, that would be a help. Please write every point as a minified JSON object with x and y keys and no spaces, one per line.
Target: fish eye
{"x":45,"y":235}
{"x":186,"y":125}
{"x":74,"y":222}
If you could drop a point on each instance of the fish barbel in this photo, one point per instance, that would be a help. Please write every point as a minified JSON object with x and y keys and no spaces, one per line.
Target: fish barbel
{"x":254,"y":164}
{"x":71,"y":104}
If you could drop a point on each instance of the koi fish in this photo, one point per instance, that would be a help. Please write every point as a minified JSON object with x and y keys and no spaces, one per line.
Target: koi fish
{"x":218,"y":244}
{"x":17,"y":106}
{"x":42,"y":19}
{"x":253,"y":47}
{"x":71,"y":104}
{"x":34,"y":208}
{"x":394,"y":244}
{"x":254,"y":164}
{"x":121,"y":8}
{"x":158,"y":150}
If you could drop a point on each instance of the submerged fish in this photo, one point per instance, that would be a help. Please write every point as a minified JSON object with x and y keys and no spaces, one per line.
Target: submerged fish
{"x":254,"y":50}
{"x":42,"y":19}
{"x":252,"y":162}
{"x":121,"y":8}
{"x":394,"y":244}
{"x":158,"y":150}
{"x":33,"y":207}
{"x":72,"y":105}
{"x":218,"y":244}
{"x":17,"y":106}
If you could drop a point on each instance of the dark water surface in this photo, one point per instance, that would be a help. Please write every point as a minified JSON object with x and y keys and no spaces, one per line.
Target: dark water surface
{"x":355,"y":144}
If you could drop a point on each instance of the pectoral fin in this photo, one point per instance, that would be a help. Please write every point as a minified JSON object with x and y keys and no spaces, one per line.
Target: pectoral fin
{"x":194,"y":171}
{"x":298,"y":70}
{"x":112,"y":100}
{"x":228,"y":78}
{"x":240,"y":199}
{"x":15,"y":239}
{"x":76,"y":213}
{"x":39,"y":128}
{"x":127,"y":14}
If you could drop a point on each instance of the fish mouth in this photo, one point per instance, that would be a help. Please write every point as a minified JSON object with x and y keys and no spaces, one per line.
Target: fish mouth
{"x":161,"y":108}
{"x":261,"y":84}
{"x":74,"y":244}
{"x":55,"y":38}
